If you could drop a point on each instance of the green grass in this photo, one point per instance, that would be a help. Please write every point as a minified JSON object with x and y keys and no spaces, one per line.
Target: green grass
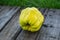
{"x":30,"y":3}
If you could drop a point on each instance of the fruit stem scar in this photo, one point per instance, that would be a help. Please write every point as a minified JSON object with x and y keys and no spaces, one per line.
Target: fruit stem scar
{"x":28,"y":24}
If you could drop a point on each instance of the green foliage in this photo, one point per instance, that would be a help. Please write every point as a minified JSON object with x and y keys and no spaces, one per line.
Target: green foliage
{"x":29,"y":3}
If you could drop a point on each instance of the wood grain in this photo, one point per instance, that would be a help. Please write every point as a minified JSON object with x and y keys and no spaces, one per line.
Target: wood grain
{"x":12,"y":29}
{"x":6,"y":15}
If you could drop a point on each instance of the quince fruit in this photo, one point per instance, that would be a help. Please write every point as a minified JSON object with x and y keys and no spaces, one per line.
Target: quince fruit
{"x":31,"y":19}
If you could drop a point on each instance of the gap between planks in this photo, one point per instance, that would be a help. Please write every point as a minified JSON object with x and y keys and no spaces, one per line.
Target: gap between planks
{"x":12,"y":29}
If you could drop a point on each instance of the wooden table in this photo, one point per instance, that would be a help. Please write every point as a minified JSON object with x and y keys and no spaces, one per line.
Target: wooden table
{"x":10,"y":29}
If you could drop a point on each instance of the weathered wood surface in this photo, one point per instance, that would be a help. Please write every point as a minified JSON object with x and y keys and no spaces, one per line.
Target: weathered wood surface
{"x":6,"y":14}
{"x":10,"y":29}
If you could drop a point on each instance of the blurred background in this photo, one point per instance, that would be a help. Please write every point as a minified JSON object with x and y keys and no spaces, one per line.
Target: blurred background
{"x":29,"y":3}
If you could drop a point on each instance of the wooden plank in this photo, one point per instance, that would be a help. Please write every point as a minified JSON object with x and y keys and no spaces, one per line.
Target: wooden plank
{"x":51,"y":27}
{"x":12,"y":29}
{"x":6,"y":15}
{"x":4,"y":11}
{"x":25,"y":35}
{"x":1,"y":8}
{"x":3,"y":14}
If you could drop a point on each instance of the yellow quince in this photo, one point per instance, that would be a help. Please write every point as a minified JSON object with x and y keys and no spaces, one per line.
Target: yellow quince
{"x":31,"y":19}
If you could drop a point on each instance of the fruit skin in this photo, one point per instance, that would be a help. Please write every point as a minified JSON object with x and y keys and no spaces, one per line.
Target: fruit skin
{"x":31,"y":19}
